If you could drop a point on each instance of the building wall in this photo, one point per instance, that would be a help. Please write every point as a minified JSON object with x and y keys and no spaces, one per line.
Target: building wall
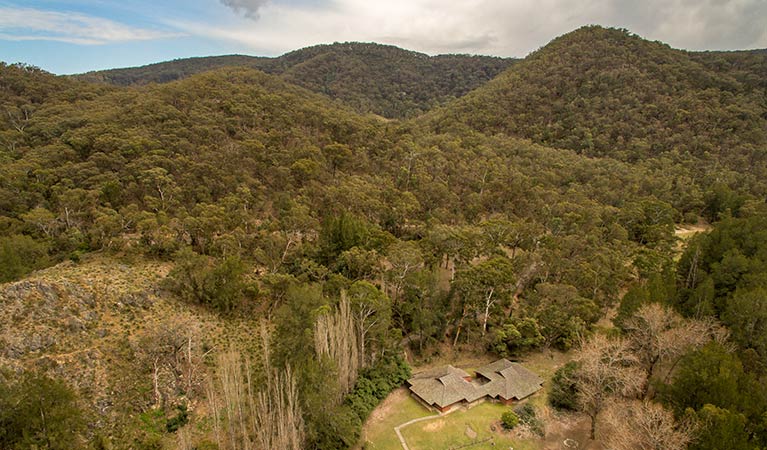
{"x":476,"y":402}
{"x":423,"y":402}
{"x":450,"y":407}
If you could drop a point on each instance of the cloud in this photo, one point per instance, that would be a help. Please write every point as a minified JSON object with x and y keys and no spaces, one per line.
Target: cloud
{"x":27,"y":24}
{"x":249,"y":8}
{"x":709,"y":24}
{"x":497,"y":27}
{"x":252,"y":8}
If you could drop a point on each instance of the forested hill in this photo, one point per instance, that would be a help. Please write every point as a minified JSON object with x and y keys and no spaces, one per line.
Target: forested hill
{"x":606,"y":92}
{"x":167,"y":71}
{"x":380,"y":79}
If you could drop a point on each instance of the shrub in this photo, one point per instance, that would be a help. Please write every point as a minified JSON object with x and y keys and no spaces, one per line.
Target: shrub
{"x":509,"y":420}
{"x":527,"y":416}
{"x":525,"y":412}
{"x":375,"y":383}
{"x":205,"y":280}
{"x":181,"y":419}
{"x":563,"y":394}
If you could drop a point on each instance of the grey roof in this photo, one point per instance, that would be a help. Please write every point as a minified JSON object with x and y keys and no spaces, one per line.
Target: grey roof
{"x":443,"y":386}
{"x":509,"y":380}
{"x":446,"y":385}
{"x":439,"y":372}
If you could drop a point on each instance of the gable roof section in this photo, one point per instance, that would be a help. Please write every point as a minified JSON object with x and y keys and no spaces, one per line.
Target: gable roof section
{"x":509,"y":380}
{"x":439,"y":372}
{"x":444,"y":386}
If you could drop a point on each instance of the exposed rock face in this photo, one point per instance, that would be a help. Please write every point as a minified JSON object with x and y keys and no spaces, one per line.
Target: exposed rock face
{"x":36,"y":312}
{"x":58,"y":323}
{"x":51,"y":325}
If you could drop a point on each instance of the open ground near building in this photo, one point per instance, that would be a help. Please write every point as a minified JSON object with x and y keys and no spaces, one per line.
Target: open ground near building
{"x":477,"y":427}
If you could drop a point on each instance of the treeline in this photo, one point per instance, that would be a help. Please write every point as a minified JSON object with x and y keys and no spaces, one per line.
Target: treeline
{"x":371,"y":78}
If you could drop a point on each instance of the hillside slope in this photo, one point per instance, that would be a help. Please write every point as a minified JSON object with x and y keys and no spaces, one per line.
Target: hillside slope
{"x":381,"y":79}
{"x":605,"y":92}
{"x":183,"y":129}
{"x":98,"y":325}
{"x":387,"y":80}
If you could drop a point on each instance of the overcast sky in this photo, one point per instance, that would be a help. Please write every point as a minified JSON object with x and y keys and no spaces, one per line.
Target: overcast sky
{"x":79,"y":35}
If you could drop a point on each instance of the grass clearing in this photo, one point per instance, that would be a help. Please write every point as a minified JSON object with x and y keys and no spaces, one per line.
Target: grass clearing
{"x":475,"y":425}
{"x":464,"y":427}
{"x":544,"y":364}
{"x":399,"y":407}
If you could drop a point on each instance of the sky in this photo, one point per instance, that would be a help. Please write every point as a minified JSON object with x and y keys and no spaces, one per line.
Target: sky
{"x":74,"y":36}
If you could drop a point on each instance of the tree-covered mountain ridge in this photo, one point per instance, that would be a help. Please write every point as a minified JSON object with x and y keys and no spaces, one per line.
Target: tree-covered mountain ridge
{"x":372,"y":78}
{"x":607,"y":92}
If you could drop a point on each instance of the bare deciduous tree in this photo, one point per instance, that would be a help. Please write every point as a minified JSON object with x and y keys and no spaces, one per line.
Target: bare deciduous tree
{"x":248,"y":419}
{"x":644,"y":425}
{"x":607,"y":370}
{"x":657,"y":334}
{"x":171,"y":350}
{"x":335,"y":336}
{"x":278,"y":419}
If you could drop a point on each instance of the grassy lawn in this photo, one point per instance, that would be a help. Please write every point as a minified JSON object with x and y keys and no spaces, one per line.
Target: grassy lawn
{"x":441,"y":433}
{"x":398,"y":408}
{"x":454,"y":430}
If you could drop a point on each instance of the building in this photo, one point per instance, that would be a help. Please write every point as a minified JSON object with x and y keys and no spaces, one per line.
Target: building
{"x":447,"y":387}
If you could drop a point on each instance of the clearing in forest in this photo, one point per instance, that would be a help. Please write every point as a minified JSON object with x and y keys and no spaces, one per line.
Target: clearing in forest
{"x":477,"y":428}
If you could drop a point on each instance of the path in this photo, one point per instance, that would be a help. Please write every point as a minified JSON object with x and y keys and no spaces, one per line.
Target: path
{"x":410,"y":422}
{"x":686,"y":231}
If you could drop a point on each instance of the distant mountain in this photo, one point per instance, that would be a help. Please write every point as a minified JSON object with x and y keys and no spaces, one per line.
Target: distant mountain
{"x":606,"y":92}
{"x":372,"y":78}
{"x":165,"y":72}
